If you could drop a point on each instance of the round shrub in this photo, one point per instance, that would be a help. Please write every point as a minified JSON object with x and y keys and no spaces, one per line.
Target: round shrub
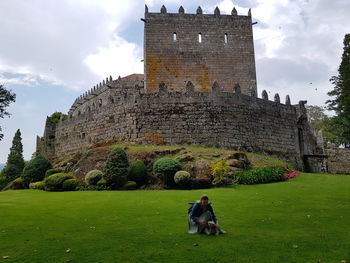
{"x":165,"y":169}
{"x":35,"y":169}
{"x":53,"y":171}
{"x":138,"y":173}
{"x":37,"y":185}
{"x":182,"y":178}
{"x":116,"y":168}
{"x":55,"y":182}
{"x":130,"y":185}
{"x":70,"y":185}
{"x":92,"y":177}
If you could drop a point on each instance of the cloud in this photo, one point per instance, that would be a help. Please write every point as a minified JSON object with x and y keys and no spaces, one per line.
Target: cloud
{"x":52,"y":39}
{"x":120,"y":57}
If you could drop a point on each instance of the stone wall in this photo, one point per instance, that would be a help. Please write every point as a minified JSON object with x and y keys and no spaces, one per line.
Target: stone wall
{"x":229,"y":120}
{"x":225,"y":53}
{"x":338,"y":161}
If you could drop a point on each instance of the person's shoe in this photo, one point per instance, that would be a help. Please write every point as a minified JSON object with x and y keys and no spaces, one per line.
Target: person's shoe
{"x":206,"y":231}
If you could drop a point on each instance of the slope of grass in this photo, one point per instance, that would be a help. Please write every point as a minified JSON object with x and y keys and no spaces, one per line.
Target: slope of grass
{"x":302,"y":220}
{"x":202,"y":152}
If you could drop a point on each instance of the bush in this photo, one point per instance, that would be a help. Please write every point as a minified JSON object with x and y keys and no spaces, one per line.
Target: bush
{"x":200,"y":183}
{"x":138,"y":173}
{"x":70,"y":185}
{"x":55,"y":182}
{"x":92,"y":177}
{"x":116,"y":168}
{"x":130,"y":185}
{"x":165,"y":169}
{"x":220,"y":171}
{"x":182,"y":178}
{"x":35,"y":169}
{"x":81,"y":186}
{"x":261,"y":175}
{"x":102,"y":182}
{"x":53,"y":171}
{"x":15,"y":184}
{"x":3,"y":182}
{"x":37,"y":185}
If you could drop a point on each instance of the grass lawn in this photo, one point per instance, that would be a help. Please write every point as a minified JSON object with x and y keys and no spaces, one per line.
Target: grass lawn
{"x":306,"y":219}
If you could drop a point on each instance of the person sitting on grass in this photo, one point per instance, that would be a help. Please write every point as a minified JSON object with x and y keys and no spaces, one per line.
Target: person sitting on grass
{"x":201,"y":218}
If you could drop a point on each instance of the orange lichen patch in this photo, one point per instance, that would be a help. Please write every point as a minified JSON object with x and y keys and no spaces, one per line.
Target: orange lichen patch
{"x":203,"y":79}
{"x":152,"y":69}
{"x":154,"y":137}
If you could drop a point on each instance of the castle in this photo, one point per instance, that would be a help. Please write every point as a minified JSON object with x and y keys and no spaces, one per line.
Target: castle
{"x":199,"y":87}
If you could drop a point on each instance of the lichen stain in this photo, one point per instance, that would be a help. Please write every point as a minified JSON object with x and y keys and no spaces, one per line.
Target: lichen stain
{"x":203,"y":79}
{"x":152,"y":69}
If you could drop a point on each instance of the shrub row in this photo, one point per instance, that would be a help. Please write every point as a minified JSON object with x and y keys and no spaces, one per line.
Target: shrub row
{"x":261,"y":175}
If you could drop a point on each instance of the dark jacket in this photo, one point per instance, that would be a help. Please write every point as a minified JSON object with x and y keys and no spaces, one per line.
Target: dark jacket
{"x":196,"y":212}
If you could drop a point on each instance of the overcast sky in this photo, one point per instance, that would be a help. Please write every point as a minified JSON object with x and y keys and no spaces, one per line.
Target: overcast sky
{"x":51,"y":51}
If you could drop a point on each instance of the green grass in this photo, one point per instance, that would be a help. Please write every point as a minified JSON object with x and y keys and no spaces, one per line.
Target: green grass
{"x":302,"y":220}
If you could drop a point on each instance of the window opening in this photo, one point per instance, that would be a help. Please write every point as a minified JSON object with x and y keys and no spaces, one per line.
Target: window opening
{"x":200,"y":37}
{"x":226,"y":38}
{"x":174,"y":36}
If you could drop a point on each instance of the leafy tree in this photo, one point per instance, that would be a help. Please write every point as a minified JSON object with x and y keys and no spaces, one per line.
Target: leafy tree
{"x":322,"y":122}
{"x":35,"y":169}
{"x":6,"y":97}
{"x":341,"y":95}
{"x":15,"y":161}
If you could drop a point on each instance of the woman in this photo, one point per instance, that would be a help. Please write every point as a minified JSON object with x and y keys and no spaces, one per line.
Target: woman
{"x":200,"y":214}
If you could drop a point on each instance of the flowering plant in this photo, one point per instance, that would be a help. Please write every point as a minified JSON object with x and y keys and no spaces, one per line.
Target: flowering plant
{"x":291,"y":175}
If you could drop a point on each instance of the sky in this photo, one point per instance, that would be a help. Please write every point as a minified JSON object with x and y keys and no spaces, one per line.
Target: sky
{"x":52,"y":51}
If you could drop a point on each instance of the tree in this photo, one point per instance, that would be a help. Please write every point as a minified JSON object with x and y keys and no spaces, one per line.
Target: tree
{"x":322,"y":122}
{"x":15,"y":161}
{"x":341,"y":93}
{"x":6,"y":97}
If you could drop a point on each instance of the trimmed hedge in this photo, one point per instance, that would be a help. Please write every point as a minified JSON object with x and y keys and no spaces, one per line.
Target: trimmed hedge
{"x":55,"y":182}
{"x":130,"y":185}
{"x":261,"y":175}
{"x":37,"y":185}
{"x":116,"y":168}
{"x":35,"y":169}
{"x":53,"y":171}
{"x":92,"y":177}
{"x":70,"y":185}
{"x":165,"y":169}
{"x":138,"y":173}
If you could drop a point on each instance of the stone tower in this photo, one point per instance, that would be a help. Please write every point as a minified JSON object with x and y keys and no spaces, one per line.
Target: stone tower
{"x":201,"y":48}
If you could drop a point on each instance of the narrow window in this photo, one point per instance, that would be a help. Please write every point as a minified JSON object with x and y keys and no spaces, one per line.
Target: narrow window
{"x":174,"y":36}
{"x":200,"y":37}
{"x":225,"y":38}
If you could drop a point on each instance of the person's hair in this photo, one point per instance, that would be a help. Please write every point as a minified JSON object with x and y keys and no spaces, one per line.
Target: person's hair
{"x":204,"y":197}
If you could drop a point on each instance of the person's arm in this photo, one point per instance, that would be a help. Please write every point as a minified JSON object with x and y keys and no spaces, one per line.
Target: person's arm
{"x":194,"y":212}
{"x":212,"y":213}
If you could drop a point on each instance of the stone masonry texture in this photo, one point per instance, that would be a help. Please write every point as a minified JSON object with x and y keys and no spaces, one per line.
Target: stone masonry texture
{"x":225,"y":53}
